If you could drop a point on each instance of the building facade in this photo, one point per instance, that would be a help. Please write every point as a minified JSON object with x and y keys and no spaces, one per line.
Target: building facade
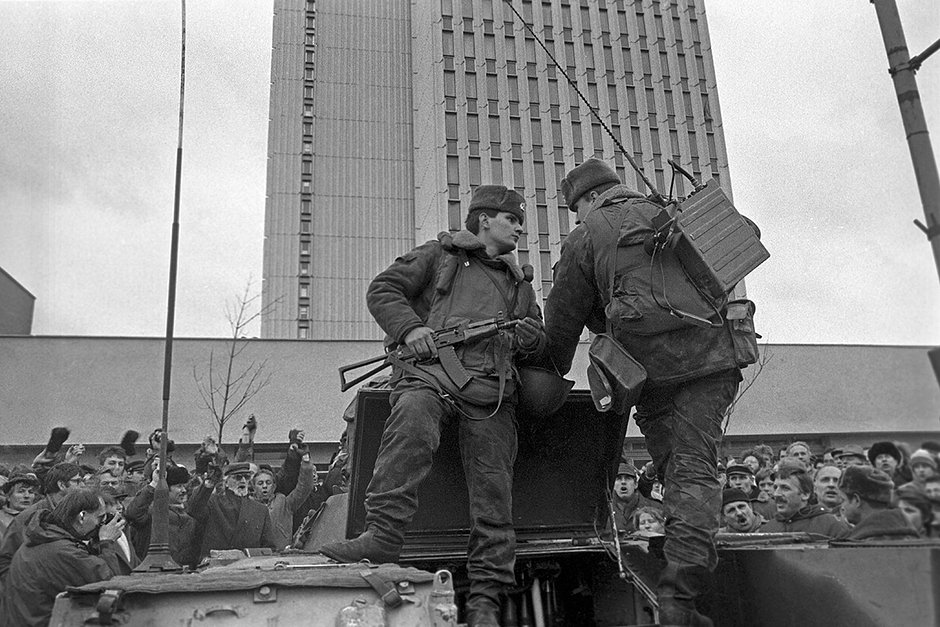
{"x":385,"y":116}
{"x":16,"y":306}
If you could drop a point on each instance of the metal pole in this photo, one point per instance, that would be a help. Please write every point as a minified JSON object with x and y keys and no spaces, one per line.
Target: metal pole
{"x":158,"y":554}
{"x":912,"y":114}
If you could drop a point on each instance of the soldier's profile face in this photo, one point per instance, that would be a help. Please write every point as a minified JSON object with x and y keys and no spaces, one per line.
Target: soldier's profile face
{"x":502,"y":231}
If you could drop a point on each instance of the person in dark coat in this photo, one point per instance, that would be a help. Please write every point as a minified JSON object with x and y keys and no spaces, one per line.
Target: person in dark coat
{"x":626,"y":499}
{"x":602,"y":282}
{"x":182,"y":526}
{"x":231,"y":519}
{"x":867,"y":502}
{"x":60,"y":478}
{"x":467,"y":277}
{"x":793,"y":488}
{"x":57,"y":555}
{"x":887,"y":457}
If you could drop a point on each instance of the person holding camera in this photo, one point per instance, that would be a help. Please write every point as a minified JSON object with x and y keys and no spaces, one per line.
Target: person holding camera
{"x":58,"y":554}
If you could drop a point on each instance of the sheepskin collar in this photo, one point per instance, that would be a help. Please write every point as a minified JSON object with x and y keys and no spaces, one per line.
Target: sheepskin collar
{"x":616,"y":194}
{"x":467,"y":242}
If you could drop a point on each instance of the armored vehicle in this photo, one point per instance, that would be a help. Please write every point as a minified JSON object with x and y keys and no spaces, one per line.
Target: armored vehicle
{"x":570,"y":569}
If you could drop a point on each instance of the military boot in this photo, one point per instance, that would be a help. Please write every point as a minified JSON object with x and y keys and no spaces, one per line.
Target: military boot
{"x":482,"y":612}
{"x":676,"y":592}
{"x":368,"y":545}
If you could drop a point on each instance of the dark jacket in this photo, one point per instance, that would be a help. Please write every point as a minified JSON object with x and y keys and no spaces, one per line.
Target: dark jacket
{"x":444,"y":283}
{"x":624,"y":510}
{"x":51,"y":560}
{"x":182,"y":528}
{"x":581,"y":294}
{"x":886,"y":524}
{"x":813,"y":519}
{"x":228,"y":521}
{"x":16,"y":533}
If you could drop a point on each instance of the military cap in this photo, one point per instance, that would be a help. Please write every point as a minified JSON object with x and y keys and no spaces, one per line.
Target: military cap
{"x":237,"y":468}
{"x":582,"y":179}
{"x":733,"y":495}
{"x":134,"y":466}
{"x":849,"y":451}
{"x":626,"y":468}
{"x":869,"y":483}
{"x":739,"y":469}
{"x":499,"y":198}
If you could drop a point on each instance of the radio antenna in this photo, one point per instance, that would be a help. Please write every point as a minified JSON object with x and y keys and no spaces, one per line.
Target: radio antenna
{"x":654,"y":193}
{"x":158,"y":554}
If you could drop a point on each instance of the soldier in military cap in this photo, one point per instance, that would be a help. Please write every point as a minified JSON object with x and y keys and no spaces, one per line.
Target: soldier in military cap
{"x":469,"y":276}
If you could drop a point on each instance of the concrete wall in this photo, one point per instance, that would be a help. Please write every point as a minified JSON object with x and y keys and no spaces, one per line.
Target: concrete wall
{"x":101,"y":386}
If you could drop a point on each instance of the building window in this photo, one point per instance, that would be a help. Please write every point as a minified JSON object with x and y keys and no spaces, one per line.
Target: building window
{"x":304,"y":313}
{"x":305,"y":269}
{"x":304,"y":290}
{"x":303,"y":333}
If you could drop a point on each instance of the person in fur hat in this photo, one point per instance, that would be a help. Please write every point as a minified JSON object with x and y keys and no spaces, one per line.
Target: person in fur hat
{"x":469,"y":276}
{"x":602,"y":282}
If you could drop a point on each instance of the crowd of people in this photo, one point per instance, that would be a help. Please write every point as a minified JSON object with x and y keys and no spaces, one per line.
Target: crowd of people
{"x":884,"y":492}
{"x":69,"y":519}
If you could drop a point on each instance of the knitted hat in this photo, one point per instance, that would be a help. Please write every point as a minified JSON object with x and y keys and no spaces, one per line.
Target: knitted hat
{"x":733,"y":495}
{"x":628,"y":469}
{"x":582,"y":179}
{"x":176,"y":475}
{"x":879,"y":448}
{"x":923,"y":456}
{"x":739,"y":469}
{"x":499,"y":198}
{"x":869,"y":483}
{"x":914,"y":495}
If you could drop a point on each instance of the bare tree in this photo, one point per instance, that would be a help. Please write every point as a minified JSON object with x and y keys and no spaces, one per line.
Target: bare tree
{"x":226,"y":386}
{"x":750,"y":374}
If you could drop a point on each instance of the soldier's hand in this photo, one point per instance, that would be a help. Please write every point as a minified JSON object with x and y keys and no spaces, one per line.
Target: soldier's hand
{"x":421,"y":343}
{"x":529,"y":332}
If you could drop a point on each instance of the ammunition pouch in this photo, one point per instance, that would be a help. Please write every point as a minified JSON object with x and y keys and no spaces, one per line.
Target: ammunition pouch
{"x":616,"y":379}
{"x":740,"y":317}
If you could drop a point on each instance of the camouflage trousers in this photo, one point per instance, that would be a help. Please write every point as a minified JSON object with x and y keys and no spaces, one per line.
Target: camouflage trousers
{"x":682,"y":427}
{"x":488,"y":451}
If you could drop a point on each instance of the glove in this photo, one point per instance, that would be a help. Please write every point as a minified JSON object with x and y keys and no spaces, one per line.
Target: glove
{"x":128,"y":441}
{"x":56,"y":439}
{"x":251,"y":424}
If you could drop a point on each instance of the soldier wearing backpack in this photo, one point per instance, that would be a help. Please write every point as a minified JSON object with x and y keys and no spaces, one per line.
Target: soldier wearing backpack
{"x":607,"y":281}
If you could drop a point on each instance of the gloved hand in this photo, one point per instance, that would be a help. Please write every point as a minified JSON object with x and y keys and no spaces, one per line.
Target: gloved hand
{"x":128,"y":442}
{"x":56,"y":439}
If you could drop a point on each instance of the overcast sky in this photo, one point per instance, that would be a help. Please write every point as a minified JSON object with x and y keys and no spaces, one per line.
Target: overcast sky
{"x":88,"y":111}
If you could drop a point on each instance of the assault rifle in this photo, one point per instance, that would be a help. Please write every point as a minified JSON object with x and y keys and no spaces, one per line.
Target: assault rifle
{"x":444,"y":340}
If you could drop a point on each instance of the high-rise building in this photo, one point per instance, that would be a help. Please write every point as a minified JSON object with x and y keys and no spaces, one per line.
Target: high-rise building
{"x":385,"y":114}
